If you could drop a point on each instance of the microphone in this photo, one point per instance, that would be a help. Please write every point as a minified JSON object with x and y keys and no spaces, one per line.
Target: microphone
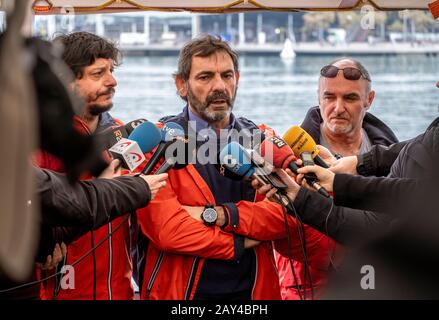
{"x":169,"y":133}
{"x":128,"y":152}
{"x":146,"y":135}
{"x":130,"y":126}
{"x":110,"y":136}
{"x":299,"y":140}
{"x":131,"y":151}
{"x":242,"y":163}
{"x":173,"y":156}
{"x":277,"y":151}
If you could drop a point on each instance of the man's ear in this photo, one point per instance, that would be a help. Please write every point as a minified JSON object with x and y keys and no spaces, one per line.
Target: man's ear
{"x":370,"y":99}
{"x":181,"y":86}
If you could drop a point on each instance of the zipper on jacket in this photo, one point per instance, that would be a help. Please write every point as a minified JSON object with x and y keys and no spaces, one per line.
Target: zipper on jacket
{"x":110,"y":262}
{"x":154,"y":274}
{"x":188,"y":290}
{"x":256,"y":275}
{"x":94,"y":264}
{"x":256,"y":258}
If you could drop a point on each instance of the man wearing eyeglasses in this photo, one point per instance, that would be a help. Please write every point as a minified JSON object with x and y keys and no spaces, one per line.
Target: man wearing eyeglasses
{"x":342,"y":124}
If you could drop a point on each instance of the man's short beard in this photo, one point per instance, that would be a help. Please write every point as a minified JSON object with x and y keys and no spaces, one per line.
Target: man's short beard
{"x":214,"y":116}
{"x":346,"y":129}
{"x":96,"y":109}
{"x":202,"y":108}
{"x":338,"y":130}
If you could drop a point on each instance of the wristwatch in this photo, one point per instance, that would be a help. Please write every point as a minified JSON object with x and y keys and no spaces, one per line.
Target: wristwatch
{"x":209,"y":215}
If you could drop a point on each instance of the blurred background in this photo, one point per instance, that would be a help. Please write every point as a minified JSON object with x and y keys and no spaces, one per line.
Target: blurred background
{"x":280,"y":58}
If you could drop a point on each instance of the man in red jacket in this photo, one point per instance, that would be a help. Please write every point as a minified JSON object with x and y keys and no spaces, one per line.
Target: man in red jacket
{"x":106,"y":272}
{"x":210,"y":237}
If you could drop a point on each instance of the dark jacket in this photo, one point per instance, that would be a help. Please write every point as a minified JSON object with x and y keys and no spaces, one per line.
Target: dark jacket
{"x":346,"y":225}
{"x":406,"y":259}
{"x":87,"y":204}
{"x":69,"y":212}
{"x":106,"y":272}
{"x":416,"y":169}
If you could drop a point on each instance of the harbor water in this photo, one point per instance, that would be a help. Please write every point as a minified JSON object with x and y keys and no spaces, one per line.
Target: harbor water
{"x":279,"y":92}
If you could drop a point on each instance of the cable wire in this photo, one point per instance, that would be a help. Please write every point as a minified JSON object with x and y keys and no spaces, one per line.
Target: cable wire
{"x":328,"y":237}
{"x":73,"y":264}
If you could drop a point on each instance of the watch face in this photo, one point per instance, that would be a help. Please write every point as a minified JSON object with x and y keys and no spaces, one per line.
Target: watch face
{"x":210,"y":215}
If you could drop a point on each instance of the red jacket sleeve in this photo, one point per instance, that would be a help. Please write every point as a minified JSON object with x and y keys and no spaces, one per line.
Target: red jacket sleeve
{"x":172,"y":229}
{"x":264,"y":220}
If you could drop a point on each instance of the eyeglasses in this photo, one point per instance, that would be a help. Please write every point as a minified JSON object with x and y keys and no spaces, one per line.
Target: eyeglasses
{"x":349,"y":73}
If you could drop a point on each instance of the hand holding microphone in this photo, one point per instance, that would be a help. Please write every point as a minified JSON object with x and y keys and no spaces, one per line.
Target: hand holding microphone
{"x":346,"y":165}
{"x":326,"y":155}
{"x":113,"y":170}
{"x":325,"y":176}
{"x":269,"y":191}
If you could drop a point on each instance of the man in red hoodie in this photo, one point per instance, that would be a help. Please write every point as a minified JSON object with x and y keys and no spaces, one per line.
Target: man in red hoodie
{"x":106,"y":272}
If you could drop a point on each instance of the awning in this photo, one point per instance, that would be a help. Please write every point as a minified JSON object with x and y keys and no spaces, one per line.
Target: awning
{"x":218,"y":6}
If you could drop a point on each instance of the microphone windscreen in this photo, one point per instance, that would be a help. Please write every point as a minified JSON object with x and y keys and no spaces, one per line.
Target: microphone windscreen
{"x":130,"y":126}
{"x":234,"y":157}
{"x":147,"y":136}
{"x":171,"y":130}
{"x":110,"y":136}
{"x":277,"y":152}
{"x":299,"y":140}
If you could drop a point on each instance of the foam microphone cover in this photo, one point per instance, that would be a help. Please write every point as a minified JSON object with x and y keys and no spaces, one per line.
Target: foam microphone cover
{"x":299,"y":140}
{"x":277,"y":152}
{"x":147,"y":136}
{"x":130,"y":126}
{"x":112,"y":135}
{"x":234,"y":157}
{"x":172,"y":130}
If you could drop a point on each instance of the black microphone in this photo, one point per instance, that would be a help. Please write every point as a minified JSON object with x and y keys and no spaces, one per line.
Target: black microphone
{"x":130,"y":126}
{"x":110,"y":136}
{"x":169,"y":132}
{"x":176,"y":156}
